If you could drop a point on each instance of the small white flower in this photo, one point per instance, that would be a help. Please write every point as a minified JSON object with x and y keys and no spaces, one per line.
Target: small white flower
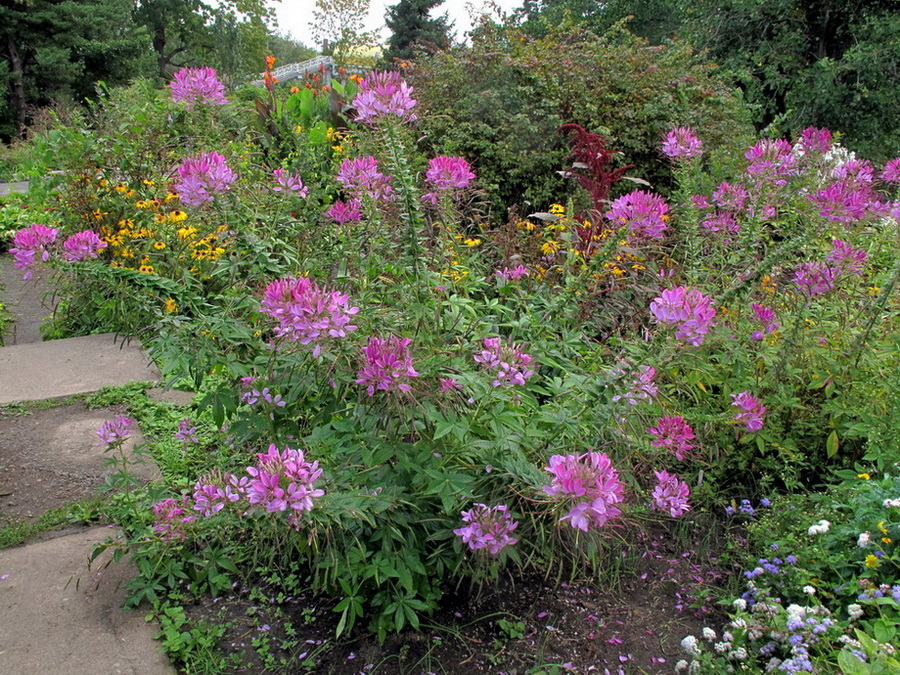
{"x":738,"y":623}
{"x":740,"y":654}
{"x":819,"y":528}
{"x":855,"y":611}
{"x":722,"y":647}
{"x":681,"y":665}
{"x":709,"y":634}
{"x":892,"y":503}
{"x":739,"y":603}
{"x":694,"y":667}
{"x":727,"y":637}
{"x":809,"y":590}
{"x":689,"y":644}
{"x":863,"y":540}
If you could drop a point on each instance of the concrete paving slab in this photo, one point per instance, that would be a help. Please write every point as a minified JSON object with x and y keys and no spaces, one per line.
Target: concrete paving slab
{"x":42,"y":370}
{"x":28,"y":301}
{"x":176,"y":397}
{"x":49,"y":458}
{"x":58,"y":616}
{"x":17,"y":186}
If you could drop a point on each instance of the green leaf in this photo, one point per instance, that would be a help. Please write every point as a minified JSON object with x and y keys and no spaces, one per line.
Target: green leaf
{"x":884,"y":632}
{"x":832,"y":444}
{"x":850,"y":665}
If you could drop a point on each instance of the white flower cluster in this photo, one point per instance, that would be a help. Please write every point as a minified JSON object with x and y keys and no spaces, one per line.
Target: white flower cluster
{"x":819,"y":528}
{"x":689,"y":644}
{"x":864,"y":539}
{"x":855,"y":611}
{"x":740,"y":603}
{"x":892,"y":503}
{"x":809,"y":590}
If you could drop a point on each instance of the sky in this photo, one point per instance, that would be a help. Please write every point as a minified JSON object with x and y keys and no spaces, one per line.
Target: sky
{"x":294,"y":15}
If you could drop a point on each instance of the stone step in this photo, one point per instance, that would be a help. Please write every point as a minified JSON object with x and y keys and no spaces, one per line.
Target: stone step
{"x":79,"y":365}
{"x":57,"y":615}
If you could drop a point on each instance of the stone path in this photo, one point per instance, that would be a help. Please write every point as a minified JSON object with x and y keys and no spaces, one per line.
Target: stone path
{"x":57,"y":613}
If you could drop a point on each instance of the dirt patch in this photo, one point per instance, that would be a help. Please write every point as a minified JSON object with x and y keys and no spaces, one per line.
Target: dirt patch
{"x":51,"y":457}
{"x":517,"y":626}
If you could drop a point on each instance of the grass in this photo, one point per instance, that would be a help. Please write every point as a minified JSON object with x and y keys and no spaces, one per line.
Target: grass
{"x":19,"y":531}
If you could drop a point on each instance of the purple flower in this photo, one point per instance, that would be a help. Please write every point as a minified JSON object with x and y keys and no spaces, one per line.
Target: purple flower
{"x":682,"y":143}
{"x":202,"y":177}
{"x":644,"y":213}
{"x":674,"y":434}
{"x":449,"y":384}
{"x":855,"y":172}
{"x":197,"y":85}
{"x":891,"y":171}
{"x":283,"y":480}
{"x":513,"y":273}
{"x":591,"y":482}
{"x":815,"y":141}
{"x":752,"y":409}
{"x":848,"y":260}
{"x":721,"y":221}
{"x":688,"y":310}
{"x":386,"y":365}
{"x":507,"y":359}
{"x":448,"y":173}
{"x":171,"y":520}
{"x":731,"y":198}
{"x":841,"y":202}
{"x":384,"y":94}
{"x":670,"y":494}
{"x":82,"y":245}
{"x":214,"y":492}
{"x":771,"y":161}
{"x":345,"y":212}
{"x":488,"y":527}
{"x":289,"y":183}
{"x":187,"y":432}
{"x":115,"y":430}
{"x":765,"y":316}
{"x":642,"y":386}
{"x":361,"y":177}
{"x":28,"y":243}
{"x":815,"y":278}
{"x":307,"y":313}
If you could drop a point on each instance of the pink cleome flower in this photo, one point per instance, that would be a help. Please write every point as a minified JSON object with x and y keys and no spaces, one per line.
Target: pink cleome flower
{"x":771,"y":161}
{"x":591,"y":483}
{"x":488,"y":527}
{"x":765,"y":316}
{"x":688,"y":310}
{"x":197,"y":85}
{"x":891,"y":171}
{"x":171,"y":522}
{"x":507,"y":359}
{"x":30,"y":242}
{"x":682,"y":143}
{"x":513,"y":273}
{"x":643,"y":387}
{"x":447,"y":173}
{"x":815,"y":278}
{"x":674,"y":434}
{"x":202,"y":177}
{"x":82,"y":245}
{"x":644,"y":213}
{"x":814,"y":141}
{"x":848,"y":260}
{"x":753,"y":411}
{"x":670,"y":494}
{"x":307,"y":313}
{"x":386,"y":365}
{"x":215,"y":491}
{"x":384,"y":94}
{"x":282,"y":480}
{"x":361,"y":176}
{"x":289,"y":183}
{"x":116,"y":430}
{"x":345,"y":212}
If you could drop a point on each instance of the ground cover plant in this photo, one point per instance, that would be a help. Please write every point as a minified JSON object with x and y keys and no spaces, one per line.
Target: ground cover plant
{"x":399,"y":399}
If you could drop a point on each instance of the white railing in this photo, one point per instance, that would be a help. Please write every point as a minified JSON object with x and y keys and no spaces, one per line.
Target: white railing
{"x":319,"y":64}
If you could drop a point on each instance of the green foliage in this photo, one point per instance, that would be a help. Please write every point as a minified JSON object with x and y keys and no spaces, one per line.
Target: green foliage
{"x":413,"y":30}
{"x":499,"y":103}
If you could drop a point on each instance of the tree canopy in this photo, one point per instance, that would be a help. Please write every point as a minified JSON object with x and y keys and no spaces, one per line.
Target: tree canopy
{"x":413,"y":29}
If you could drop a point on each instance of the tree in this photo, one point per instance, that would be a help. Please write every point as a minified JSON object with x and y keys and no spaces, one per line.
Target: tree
{"x":338,"y":27}
{"x":413,"y":29}
{"x":59,"y":49}
{"x":288,"y":50}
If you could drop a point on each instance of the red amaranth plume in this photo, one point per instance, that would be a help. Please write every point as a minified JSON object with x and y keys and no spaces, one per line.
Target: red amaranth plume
{"x":590,"y":164}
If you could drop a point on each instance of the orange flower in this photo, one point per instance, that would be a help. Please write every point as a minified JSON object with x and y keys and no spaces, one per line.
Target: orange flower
{"x":295,"y":90}
{"x":270,"y":62}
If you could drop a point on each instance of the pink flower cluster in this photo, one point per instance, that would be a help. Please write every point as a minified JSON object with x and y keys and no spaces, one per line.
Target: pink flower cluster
{"x":846,"y":258}
{"x":642,"y":388}
{"x":688,"y":310}
{"x":289,"y":183}
{"x":384,"y":94}
{"x":513,"y":273}
{"x":891,"y":171}
{"x":345,"y":212}
{"x":448,"y":173}
{"x":644,"y":213}
{"x":202,"y":177}
{"x":591,"y":482}
{"x":507,"y":359}
{"x":670,"y":494}
{"x":361,"y":176}
{"x":29,"y":243}
{"x":172,"y":519}
{"x":674,"y":434}
{"x":488,"y":527}
{"x":765,"y":316}
{"x":386,"y":365}
{"x":815,"y":278}
{"x":212,"y":493}
{"x":82,"y":245}
{"x":771,"y":161}
{"x":197,"y":85}
{"x":116,"y":430}
{"x":307,"y":313}
{"x":843,"y":202}
{"x":283,"y":480}
{"x":814,"y":141}
{"x":682,"y":143}
{"x":752,"y":410}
